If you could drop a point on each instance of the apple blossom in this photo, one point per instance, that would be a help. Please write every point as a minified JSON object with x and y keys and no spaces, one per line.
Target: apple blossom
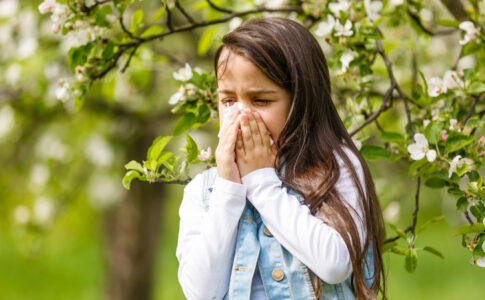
{"x":205,"y":154}
{"x":471,"y":32}
{"x":343,"y":30}
{"x":420,"y":148}
{"x":436,"y":87}
{"x":426,"y":122}
{"x":183,"y":74}
{"x":346,"y":59}
{"x":443,"y":135}
{"x":175,"y":98}
{"x":55,"y":28}
{"x":372,"y":9}
{"x":21,"y":214}
{"x":458,"y":162}
{"x":47,"y":6}
{"x":452,"y":81}
{"x":325,"y":28}
{"x":336,"y":7}
{"x":454,"y":125}
{"x":481,"y":262}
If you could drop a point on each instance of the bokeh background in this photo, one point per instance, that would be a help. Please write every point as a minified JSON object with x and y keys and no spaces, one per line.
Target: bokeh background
{"x":68,"y":228}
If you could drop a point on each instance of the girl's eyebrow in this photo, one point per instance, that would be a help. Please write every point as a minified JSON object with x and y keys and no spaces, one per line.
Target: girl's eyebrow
{"x":251,"y":91}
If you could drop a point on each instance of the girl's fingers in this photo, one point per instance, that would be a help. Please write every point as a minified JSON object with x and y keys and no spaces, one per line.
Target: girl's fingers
{"x":230,"y":137}
{"x":239,"y":143}
{"x":231,"y":121}
{"x":246,"y":133}
{"x":263,"y":130}
{"x":255,"y":133}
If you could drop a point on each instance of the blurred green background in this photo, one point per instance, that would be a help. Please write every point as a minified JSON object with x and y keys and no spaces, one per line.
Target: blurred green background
{"x":63,"y":168}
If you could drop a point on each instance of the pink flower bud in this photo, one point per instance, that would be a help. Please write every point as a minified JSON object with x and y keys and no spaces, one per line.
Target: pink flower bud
{"x":55,"y":28}
{"x":460,"y":73}
{"x":482,"y":154}
{"x":45,"y":7}
{"x":444,"y":136}
{"x":79,"y":69}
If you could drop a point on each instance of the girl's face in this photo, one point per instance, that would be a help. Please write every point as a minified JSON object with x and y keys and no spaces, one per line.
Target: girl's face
{"x":243,"y":82}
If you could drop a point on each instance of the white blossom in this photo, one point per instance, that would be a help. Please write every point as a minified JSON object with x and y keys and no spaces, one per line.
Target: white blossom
{"x":454,"y":125}
{"x":98,"y":151}
{"x":336,"y":7}
{"x":205,"y":154}
{"x":21,"y":214}
{"x":426,"y":122}
{"x":391,"y":212}
{"x":457,"y":163}
{"x":471,"y":33}
{"x":420,"y":148}
{"x":8,"y":8}
{"x":55,"y":28}
{"x":483,"y":244}
{"x":39,"y":174}
{"x":183,"y":74}
{"x":43,"y":210}
{"x":234,"y":23}
{"x":452,"y":80}
{"x":7,"y":120}
{"x":64,"y":91}
{"x":481,"y":262}
{"x":436,"y":87}
{"x":372,"y":9}
{"x":325,"y":28}
{"x":47,"y":6}
{"x":175,"y":98}
{"x":343,"y":30}
{"x":346,"y":59}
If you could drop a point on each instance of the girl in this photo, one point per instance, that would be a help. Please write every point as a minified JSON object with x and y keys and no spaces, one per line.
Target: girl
{"x":294,"y":219}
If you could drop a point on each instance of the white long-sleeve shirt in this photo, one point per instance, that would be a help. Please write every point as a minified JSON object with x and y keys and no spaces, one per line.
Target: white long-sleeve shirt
{"x":207,"y":239}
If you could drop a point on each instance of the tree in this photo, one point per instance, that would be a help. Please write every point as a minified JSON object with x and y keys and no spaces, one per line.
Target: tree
{"x":438,"y":129}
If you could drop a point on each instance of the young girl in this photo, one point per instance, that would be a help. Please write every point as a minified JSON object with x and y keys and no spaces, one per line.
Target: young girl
{"x":294,"y":219}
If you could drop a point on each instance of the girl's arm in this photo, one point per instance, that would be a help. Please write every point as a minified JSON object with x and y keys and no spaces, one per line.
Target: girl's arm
{"x":207,"y":239}
{"x":308,"y":238}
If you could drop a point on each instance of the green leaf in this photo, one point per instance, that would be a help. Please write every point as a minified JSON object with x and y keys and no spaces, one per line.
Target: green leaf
{"x":424,"y":81}
{"x":159,"y":14}
{"x":388,"y":246}
{"x":109,"y":50}
{"x":411,"y":261}
{"x":476,"y":88}
{"x":433,"y":132}
{"x":137,"y":21}
{"x":399,"y":231}
{"x":206,"y":41}
{"x":456,"y":192}
{"x":164,"y":160}
{"x":191,"y":150}
{"x":392,"y":137}
{"x":399,"y":251}
{"x":129,"y":176}
{"x":185,"y":123}
{"x":470,"y":48}
{"x":457,"y":142}
{"x":475,"y":228}
{"x":473,"y":175}
{"x":78,"y":56}
{"x":157,"y":147}
{"x":449,"y":23}
{"x":435,"y":183}
{"x":373,"y":152}
{"x":428,"y":223}
{"x":461,"y":204}
{"x":433,"y":251}
{"x":154,"y":30}
{"x":134,"y":165}
{"x":416,"y":165}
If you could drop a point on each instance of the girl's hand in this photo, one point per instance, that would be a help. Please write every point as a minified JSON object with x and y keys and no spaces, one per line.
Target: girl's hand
{"x":225,"y":152}
{"x":253,"y":147}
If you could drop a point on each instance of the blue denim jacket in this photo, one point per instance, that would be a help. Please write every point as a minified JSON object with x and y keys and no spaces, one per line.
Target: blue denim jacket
{"x":283,"y":275}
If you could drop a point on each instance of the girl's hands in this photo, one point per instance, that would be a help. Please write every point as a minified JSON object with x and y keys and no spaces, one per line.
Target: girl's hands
{"x":253,"y":147}
{"x":225,"y":152}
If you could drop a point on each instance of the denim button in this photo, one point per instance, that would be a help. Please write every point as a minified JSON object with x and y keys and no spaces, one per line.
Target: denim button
{"x":267,"y":232}
{"x":278,"y":274}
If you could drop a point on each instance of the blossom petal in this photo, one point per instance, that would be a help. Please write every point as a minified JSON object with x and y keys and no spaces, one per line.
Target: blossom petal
{"x":431,"y":155}
{"x":421,"y":139}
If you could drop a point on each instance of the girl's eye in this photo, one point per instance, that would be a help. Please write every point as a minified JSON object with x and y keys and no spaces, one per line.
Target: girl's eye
{"x":264,"y":101}
{"x":226,"y":101}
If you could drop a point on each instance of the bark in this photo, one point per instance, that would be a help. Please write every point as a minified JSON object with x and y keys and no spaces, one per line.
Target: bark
{"x":455,"y":7}
{"x":132,"y":231}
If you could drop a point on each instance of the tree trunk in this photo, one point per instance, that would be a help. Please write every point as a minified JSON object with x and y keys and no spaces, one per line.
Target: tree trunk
{"x":132,"y":229}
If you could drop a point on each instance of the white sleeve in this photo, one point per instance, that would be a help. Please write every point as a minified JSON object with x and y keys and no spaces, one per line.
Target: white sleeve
{"x":206,"y":239}
{"x":308,"y":238}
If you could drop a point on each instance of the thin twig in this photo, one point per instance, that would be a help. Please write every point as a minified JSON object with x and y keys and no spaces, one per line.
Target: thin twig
{"x":472,"y":108}
{"x":129,"y":59}
{"x":185,"y":13}
{"x":160,"y":180}
{"x":169,"y":17}
{"x":218,"y":8}
{"x":429,"y":32}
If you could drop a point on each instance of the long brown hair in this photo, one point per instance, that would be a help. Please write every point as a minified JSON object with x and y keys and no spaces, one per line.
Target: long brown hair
{"x":288,"y":54}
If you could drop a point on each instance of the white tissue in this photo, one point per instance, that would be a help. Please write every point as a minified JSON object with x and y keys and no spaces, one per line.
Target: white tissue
{"x":229,"y":112}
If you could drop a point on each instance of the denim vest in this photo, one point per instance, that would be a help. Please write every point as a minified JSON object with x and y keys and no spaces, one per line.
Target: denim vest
{"x":283,"y":275}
